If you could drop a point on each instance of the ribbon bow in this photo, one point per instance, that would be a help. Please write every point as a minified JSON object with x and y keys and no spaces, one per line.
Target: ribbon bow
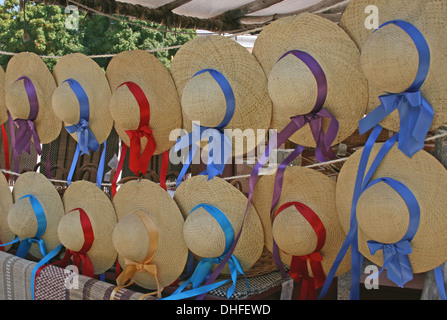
{"x":416,"y":116}
{"x":139,"y":162}
{"x":396,"y":260}
{"x":218,"y":142}
{"x":298,"y":270}
{"x":86,"y":139}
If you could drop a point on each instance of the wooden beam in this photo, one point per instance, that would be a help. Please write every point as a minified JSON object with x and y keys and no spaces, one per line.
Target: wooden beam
{"x":248,"y":8}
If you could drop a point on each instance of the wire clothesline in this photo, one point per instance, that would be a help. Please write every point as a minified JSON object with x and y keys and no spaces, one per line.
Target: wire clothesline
{"x":441,"y":134}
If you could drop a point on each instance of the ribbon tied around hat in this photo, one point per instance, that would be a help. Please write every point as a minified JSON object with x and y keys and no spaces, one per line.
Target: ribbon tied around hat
{"x":26,"y":128}
{"x":219,"y":144}
{"x":145,"y":266}
{"x":80,"y":258}
{"x":298,"y":268}
{"x":203,"y":268}
{"x":86,"y":139}
{"x":395,"y":255}
{"x":415,"y":113}
{"x":139,"y":162}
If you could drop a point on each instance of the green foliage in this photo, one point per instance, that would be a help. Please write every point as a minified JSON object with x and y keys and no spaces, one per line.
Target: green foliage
{"x":46,"y":34}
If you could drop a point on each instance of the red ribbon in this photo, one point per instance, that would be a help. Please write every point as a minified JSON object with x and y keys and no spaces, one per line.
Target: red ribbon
{"x":298,"y":268}
{"x":80,"y":258}
{"x":138,"y":162}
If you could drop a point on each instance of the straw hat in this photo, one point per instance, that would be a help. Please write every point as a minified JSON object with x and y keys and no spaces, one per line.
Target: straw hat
{"x":201,"y":96}
{"x":22,"y":218}
{"x":3,"y":114}
{"x":94,"y":82}
{"x":6,"y":235}
{"x":382,"y":214}
{"x":145,"y":70}
{"x":291,"y":84}
{"x":28,"y":64}
{"x":389,"y":57}
{"x":203,"y":234}
{"x":132,"y":240}
{"x":101,"y":214}
{"x":291,"y":232}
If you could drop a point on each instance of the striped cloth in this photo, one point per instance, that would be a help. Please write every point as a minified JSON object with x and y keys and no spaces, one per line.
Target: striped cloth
{"x":52,"y":283}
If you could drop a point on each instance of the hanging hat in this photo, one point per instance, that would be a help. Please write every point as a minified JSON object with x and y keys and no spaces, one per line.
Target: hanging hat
{"x":383,"y":214}
{"x":313,"y":70}
{"x":36,"y":212}
{"x":199,"y":199}
{"x":81,"y":100}
{"x":221,"y":85}
{"x":144,"y":104}
{"x":29,"y":87}
{"x":6,"y":235}
{"x":3,"y":110}
{"x":86,"y":228}
{"x":148,"y":236}
{"x":305,"y":223}
{"x":404,"y":61}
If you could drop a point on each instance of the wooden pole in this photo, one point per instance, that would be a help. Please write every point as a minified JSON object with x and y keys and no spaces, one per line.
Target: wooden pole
{"x":430,"y":290}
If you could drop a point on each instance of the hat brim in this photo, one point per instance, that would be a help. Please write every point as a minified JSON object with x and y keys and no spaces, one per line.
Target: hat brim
{"x":6,"y":202}
{"x":154,"y":79}
{"x":232,"y":202}
{"x":148,"y":197}
{"x":93,"y":80}
{"x":427,"y":16}
{"x":3,"y":110}
{"x":339,"y":57}
{"x":426,"y":177}
{"x":313,"y":189}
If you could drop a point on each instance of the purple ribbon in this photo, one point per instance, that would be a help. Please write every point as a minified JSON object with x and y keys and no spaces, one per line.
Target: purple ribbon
{"x":26,"y":129}
{"x":323,"y":150}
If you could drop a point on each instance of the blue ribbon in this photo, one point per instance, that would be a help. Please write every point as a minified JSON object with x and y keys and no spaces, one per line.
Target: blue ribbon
{"x":415,"y":113}
{"x":395,"y":256}
{"x":219,"y":144}
{"x":203,"y":268}
{"x":25,"y":244}
{"x":86,"y":138}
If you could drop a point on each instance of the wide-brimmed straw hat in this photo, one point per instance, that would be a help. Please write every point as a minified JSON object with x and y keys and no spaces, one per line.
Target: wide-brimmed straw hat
{"x":389,"y":56}
{"x":93,"y":82}
{"x":99,"y":221}
{"x":30,"y":65}
{"x":202,"y":97}
{"x":6,"y":202}
{"x":290,"y":230}
{"x":292,"y":85}
{"x":22,"y":217}
{"x":158,"y":89}
{"x":149,"y":234}
{"x":204,"y":235}
{"x":382,"y":213}
{"x":3,"y":110}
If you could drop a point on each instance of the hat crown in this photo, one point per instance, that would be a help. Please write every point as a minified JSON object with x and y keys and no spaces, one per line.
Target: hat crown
{"x":390,"y":59}
{"x":292,"y":87}
{"x":130,"y":238}
{"x":203,"y":234}
{"x":65,"y":104}
{"x":204,"y":101}
{"x":17,"y":100}
{"x":124,"y":109}
{"x":293,"y":234}
{"x":382,"y":214}
{"x":22,"y":219}
{"x":70,"y":231}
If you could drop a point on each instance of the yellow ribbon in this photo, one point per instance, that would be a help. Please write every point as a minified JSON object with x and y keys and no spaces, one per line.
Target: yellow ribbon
{"x":132,"y":267}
